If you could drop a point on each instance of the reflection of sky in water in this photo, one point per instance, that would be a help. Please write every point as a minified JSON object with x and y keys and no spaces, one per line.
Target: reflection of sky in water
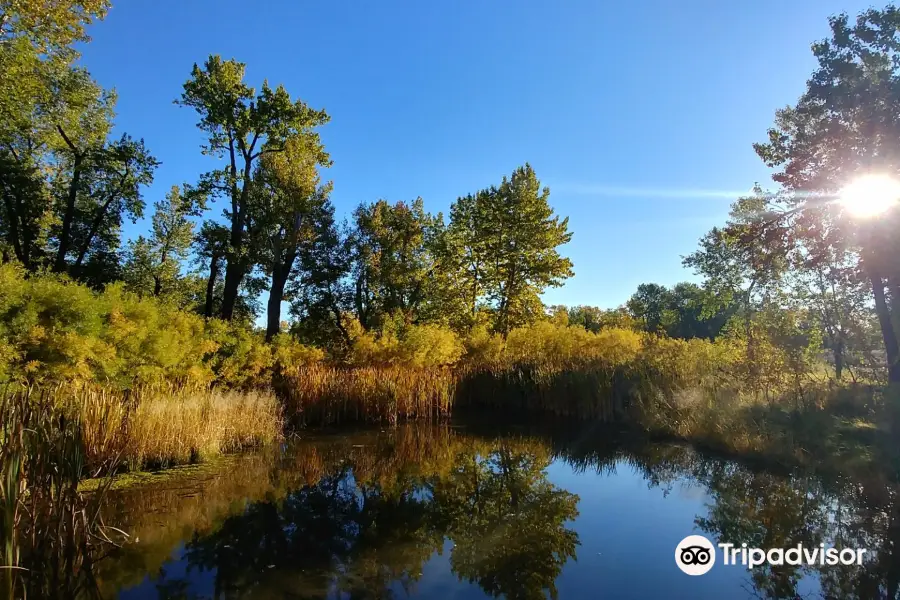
{"x":628,"y":530}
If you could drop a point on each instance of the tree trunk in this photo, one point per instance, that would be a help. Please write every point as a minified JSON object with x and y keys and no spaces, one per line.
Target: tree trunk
{"x":95,"y":227}
{"x":234,"y":274}
{"x":273,"y":309}
{"x":891,"y":349}
{"x":13,"y":220}
{"x":60,"y":265}
{"x":211,"y":285}
{"x":838,"y":351}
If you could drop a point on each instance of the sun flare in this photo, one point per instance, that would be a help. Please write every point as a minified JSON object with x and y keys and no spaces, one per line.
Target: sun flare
{"x":870,"y":195}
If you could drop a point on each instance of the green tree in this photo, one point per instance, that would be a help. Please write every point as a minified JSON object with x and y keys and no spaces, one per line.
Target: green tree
{"x":320,"y":297}
{"x":846,"y":124}
{"x":522,"y":238}
{"x":651,"y":304}
{"x":49,"y":26}
{"x":103,"y":187}
{"x":241,"y":125}
{"x":287,"y":201}
{"x":462,"y":250}
{"x":67,"y":187}
{"x":743,"y":264}
{"x":210,"y":245}
{"x":41,"y":96}
{"x":825,"y":279}
{"x":391,"y":261}
{"x":154,"y":264}
{"x":594,"y":319}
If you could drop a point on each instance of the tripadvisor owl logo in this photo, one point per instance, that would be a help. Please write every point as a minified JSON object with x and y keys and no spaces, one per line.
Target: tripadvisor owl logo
{"x":695,"y":555}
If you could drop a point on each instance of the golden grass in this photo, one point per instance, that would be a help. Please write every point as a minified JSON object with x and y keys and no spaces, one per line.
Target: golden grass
{"x":165,"y":426}
{"x":165,"y":429}
{"x":322,"y":395}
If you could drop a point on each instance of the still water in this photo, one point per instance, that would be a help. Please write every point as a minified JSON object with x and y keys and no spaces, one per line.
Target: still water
{"x":451,"y":512}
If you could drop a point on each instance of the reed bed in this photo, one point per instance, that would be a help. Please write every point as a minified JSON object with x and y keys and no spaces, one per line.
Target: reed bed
{"x":164,"y":430}
{"x":323,"y":395}
{"x":50,"y":532}
{"x":163,"y":426}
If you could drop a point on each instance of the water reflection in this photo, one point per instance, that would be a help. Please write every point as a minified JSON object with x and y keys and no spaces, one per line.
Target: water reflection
{"x":383,"y":514}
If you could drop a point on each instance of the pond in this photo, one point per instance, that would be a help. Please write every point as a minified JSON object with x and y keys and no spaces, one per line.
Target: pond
{"x":456,"y":512}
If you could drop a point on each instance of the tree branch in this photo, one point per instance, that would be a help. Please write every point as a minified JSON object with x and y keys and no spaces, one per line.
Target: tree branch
{"x":67,"y":140}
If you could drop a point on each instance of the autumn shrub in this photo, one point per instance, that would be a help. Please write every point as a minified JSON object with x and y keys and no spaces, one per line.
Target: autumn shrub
{"x":482,"y":347}
{"x":55,"y":331}
{"x":398,"y":344}
{"x":429,"y":346}
{"x":612,"y":374}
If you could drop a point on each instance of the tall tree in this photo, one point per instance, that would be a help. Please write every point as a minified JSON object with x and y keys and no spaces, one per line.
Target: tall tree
{"x":41,"y":96}
{"x":847,"y":124}
{"x":103,"y":186}
{"x":67,"y":188}
{"x":521,"y":250}
{"x":154,"y":264}
{"x":825,"y":278}
{"x":321,"y":298}
{"x":743,"y":264}
{"x":241,"y":125}
{"x":465,"y":249}
{"x":391,"y":261}
{"x":286,"y":202}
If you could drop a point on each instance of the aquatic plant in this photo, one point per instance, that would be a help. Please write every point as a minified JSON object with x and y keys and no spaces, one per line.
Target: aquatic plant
{"x":323,"y":395}
{"x":49,"y":530}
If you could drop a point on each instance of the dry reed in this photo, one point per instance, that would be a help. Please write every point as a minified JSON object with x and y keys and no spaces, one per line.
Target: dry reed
{"x":322,"y":395}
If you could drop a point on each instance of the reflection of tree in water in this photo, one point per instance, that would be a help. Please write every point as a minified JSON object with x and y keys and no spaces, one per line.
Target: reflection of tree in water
{"x":766,"y":510}
{"x":373,"y":512}
{"x":867,"y":515}
{"x":331,"y":531}
{"x":505,"y":519}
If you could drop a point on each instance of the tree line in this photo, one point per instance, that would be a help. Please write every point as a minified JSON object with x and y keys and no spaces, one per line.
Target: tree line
{"x":69,"y":186}
{"x":789,"y":265}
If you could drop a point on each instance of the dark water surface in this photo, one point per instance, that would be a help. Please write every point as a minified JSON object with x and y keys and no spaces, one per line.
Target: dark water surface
{"x":447,"y":512}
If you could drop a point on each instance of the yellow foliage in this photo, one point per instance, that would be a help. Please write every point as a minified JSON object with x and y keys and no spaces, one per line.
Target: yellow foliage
{"x":482,"y":346}
{"x":416,"y":346}
{"x":546,"y":342}
{"x":429,"y":346}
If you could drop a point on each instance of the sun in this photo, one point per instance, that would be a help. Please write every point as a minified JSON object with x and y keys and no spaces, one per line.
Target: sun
{"x":870,"y":195}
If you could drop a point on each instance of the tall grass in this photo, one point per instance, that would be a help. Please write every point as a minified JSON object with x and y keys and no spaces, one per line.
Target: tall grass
{"x":49,"y":530}
{"x":161,"y":426}
{"x":166,"y":429}
{"x":325,"y":395}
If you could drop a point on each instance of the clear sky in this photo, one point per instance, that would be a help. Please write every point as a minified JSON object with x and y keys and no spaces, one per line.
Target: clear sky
{"x":639,"y":115}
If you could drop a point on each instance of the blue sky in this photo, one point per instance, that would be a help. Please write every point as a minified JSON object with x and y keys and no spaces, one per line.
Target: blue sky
{"x":639,"y":116}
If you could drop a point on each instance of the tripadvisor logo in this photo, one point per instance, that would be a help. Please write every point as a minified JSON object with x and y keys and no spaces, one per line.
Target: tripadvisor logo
{"x":696,"y":555}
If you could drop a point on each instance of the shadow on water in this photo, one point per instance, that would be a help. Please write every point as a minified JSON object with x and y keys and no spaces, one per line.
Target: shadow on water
{"x":377,"y":514}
